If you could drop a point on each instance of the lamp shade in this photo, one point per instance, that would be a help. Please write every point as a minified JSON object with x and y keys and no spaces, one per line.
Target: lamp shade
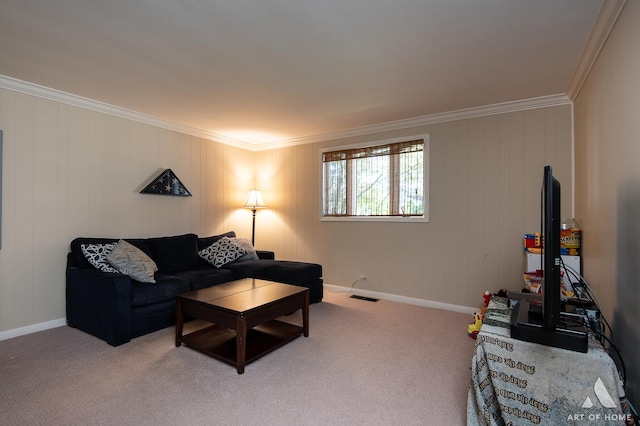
{"x":254,"y":201}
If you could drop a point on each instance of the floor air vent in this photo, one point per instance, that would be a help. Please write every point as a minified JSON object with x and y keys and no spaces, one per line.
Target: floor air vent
{"x":368,"y":299}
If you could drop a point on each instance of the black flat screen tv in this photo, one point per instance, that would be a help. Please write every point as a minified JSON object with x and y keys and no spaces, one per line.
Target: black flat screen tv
{"x":549,"y":326}
{"x":551,"y":262}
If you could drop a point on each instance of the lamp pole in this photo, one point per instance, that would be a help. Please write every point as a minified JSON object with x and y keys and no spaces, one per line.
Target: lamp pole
{"x":253,"y":228}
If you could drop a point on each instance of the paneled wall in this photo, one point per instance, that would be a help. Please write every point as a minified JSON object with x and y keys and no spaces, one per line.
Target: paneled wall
{"x":485,"y":180}
{"x":607,"y":134}
{"x":72,"y":172}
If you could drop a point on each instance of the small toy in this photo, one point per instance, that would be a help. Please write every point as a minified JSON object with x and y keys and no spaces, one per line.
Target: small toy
{"x":533,"y":243}
{"x":487,"y":297}
{"x":474,"y":329}
{"x":478,"y":317}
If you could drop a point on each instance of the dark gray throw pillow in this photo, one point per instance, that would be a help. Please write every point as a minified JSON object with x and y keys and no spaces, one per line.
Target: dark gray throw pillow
{"x":130,"y":260}
{"x":245,"y":243}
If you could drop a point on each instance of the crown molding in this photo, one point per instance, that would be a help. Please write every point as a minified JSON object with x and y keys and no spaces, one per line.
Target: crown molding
{"x":462,"y":114}
{"x":603,"y":26}
{"x":93,"y":105}
{"x":79,"y":101}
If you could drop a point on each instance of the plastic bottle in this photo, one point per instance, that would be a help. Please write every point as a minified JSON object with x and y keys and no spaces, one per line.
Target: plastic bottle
{"x":570,"y":240}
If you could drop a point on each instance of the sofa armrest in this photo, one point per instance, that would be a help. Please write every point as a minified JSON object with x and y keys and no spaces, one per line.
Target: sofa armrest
{"x":99,"y":303}
{"x":266,"y":254}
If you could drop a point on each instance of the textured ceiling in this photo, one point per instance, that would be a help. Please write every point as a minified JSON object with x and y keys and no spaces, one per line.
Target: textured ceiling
{"x":260,"y":71}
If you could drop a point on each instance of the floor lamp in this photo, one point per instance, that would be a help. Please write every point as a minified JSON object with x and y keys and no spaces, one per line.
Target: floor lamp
{"x":254,"y":202}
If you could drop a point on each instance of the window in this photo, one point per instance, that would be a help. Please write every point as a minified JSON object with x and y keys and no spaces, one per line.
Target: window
{"x":387,"y":181}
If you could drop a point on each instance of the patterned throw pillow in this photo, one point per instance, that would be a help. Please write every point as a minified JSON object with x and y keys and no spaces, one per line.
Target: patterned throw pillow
{"x":96,"y":254}
{"x":223,"y":251}
{"x":130,"y":260}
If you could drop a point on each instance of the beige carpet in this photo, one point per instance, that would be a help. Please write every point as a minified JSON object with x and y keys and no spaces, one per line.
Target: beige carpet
{"x":364,"y":363}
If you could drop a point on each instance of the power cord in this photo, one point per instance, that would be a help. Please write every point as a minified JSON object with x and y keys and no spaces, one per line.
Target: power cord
{"x":599,"y":327}
{"x":353,"y":285}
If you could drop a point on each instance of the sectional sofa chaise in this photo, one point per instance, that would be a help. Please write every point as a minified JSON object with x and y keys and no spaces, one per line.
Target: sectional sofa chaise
{"x":120,"y":289}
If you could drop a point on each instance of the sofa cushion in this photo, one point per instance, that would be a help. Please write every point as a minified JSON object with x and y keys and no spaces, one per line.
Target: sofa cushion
{"x":96,"y":254}
{"x":266,"y":254}
{"x":176,"y":253}
{"x":150,"y":318}
{"x":165,"y":288}
{"x":204,"y":242}
{"x":130,"y":260}
{"x":284,"y":271}
{"x":205,"y":276}
{"x":223,"y":251}
{"x":142,"y":244}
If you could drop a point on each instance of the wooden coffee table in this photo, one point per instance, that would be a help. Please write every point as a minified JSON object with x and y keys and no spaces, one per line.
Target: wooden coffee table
{"x":243,"y":314}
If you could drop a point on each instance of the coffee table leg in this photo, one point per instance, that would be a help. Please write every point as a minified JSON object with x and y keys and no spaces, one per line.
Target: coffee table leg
{"x":305,"y":315}
{"x":241,"y":342}
{"x":179,"y":323}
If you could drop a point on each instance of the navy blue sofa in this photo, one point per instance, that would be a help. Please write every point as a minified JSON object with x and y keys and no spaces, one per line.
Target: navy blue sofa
{"x":116,"y":308}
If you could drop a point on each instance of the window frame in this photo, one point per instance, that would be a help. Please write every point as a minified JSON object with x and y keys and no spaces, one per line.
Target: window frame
{"x":403,"y":219}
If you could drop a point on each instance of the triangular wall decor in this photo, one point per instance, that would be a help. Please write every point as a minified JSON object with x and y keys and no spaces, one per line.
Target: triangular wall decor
{"x":167,"y":183}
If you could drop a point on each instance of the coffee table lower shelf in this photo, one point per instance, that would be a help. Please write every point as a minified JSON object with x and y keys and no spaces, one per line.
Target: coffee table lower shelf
{"x":220,"y":342}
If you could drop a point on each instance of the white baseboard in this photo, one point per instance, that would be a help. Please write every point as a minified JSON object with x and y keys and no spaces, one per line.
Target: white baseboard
{"x":402,"y":299}
{"x":10,"y":334}
{"x":34,"y":328}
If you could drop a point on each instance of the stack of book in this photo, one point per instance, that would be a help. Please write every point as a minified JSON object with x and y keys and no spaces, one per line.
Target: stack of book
{"x":498,"y":312}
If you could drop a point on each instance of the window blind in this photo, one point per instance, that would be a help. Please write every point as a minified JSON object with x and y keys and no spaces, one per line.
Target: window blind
{"x":381,"y":180}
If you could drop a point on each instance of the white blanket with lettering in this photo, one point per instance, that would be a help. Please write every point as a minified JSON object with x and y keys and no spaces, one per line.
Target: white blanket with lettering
{"x":518,"y":383}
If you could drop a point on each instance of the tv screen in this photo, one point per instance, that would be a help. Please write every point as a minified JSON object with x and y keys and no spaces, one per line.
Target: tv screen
{"x":551,"y":253}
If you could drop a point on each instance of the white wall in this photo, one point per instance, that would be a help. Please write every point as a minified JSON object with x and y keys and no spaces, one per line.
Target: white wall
{"x":70,"y":172}
{"x":485,"y":176}
{"x":607,"y":150}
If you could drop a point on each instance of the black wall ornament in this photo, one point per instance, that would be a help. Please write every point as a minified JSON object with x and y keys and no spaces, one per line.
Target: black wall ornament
{"x":167,"y":183}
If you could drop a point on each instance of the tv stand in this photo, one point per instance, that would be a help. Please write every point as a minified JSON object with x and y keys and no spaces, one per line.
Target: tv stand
{"x":571,"y":333}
